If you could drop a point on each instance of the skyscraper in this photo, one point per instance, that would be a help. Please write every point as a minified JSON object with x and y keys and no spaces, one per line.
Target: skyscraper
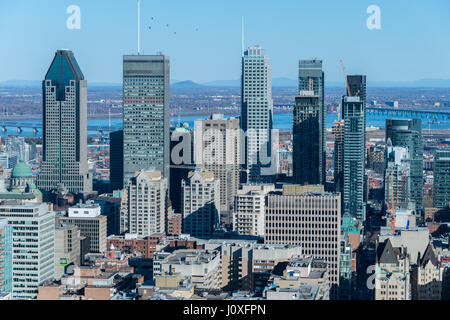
{"x":146,"y":140}
{"x":441,"y":194}
{"x":354,"y":152}
{"x":64,"y":124}
{"x":257,"y":116}
{"x":338,"y":155}
{"x":33,"y":246}
{"x":147,"y":203}
{"x":408,"y":133}
{"x":396,"y":176}
{"x":296,"y":216}
{"x":116,"y":160}
{"x":311,"y":78}
{"x":217,"y":149}
{"x":307,"y":153}
{"x":201,"y":203}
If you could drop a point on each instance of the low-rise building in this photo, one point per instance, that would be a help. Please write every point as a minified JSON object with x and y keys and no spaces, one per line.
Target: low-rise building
{"x":202,"y":266}
{"x":301,"y":278}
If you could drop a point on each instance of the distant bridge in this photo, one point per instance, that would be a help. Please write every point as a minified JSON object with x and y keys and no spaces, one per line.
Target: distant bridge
{"x":428,"y":114}
{"x":38,"y":127}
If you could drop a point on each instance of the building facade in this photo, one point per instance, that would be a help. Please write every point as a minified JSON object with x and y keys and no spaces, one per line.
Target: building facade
{"x":354,"y":153}
{"x":217,"y":149}
{"x":249,"y":209}
{"x":5,"y":257}
{"x":33,"y":228}
{"x":146,"y":137}
{"x":441,"y":191}
{"x":201,"y":204}
{"x":64,"y":127}
{"x":90,"y":223}
{"x":309,"y":217}
{"x":312,"y":78}
{"x":307,"y":139}
{"x":67,"y":248}
{"x":338,"y":155}
{"x":408,"y":133}
{"x":147,"y":203}
{"x":257,"y":116}
{"x":116,"y":160}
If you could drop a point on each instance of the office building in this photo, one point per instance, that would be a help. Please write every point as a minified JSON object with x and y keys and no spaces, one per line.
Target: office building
{"x":145,"y":114}
{"x":217,"y":149}
{"x":441,"y":192}
{"x":203,"y":267}
{"x":201,"y":204}
{"x":407,"y":133}
{"x":64,"y":127}
{"x":147,"y":203}
{"x":90,"y":222}
{"x":302,"y":278}
{"x":5,"y":257}
{"x":354,"y":153}
{"x":307,"y":144}
{"x":181,"y":162}
{"x":397,"y":176}
{"x":249,"y":209}
{"x":116,"y":160}
{"x":67,"y":248}
{"x":257,"y":116}
{"x":310,"y":217}
{"x":338,"y":155}
{"x":311,"y":114}
{"x":33,"y":228}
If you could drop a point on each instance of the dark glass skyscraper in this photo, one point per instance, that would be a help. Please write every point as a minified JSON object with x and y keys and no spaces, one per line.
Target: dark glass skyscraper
{"x":311,"y":78}
{"x":354,"y":115}
{"x":116,"y":160}
{"x":64,"y":125}
{"x":306,"y":139}
{"x":408,"y":133}
{"x":441,"y":195}
{"x":146,"y":136}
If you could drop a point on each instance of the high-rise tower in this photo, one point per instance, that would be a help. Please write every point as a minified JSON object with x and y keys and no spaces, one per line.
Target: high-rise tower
{"x":354,"y":114}
{"x":146,"y":135}
{"x":64,"y":124}
{"x":407,"y":133}
{"x":307,"y":142}
{"x":311,"y":78}
{"x":257,"y":116}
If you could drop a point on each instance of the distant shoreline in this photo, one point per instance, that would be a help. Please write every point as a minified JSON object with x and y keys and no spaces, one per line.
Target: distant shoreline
{"x":119,"y":115}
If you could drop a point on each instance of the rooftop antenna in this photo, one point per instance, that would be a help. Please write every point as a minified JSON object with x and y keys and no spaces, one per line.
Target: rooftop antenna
{"x":139,"y":27}
{"x":242,"y":36}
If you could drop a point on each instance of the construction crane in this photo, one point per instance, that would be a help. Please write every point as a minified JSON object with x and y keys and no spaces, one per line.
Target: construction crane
{"x":346,"y":80}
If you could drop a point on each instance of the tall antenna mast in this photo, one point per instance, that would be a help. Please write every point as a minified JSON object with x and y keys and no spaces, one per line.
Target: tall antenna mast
{"x":139,"y":28}
{"x":242,"y":36}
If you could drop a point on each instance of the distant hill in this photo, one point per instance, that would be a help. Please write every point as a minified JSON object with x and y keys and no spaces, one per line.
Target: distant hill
{"x":276,"y":82}
{"x":188,"y":84}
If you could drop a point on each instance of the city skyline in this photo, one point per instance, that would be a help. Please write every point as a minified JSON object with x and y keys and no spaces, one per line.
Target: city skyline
{"x":373,"y":54}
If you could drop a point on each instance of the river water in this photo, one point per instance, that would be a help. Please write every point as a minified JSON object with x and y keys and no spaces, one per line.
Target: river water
{"x":282,"y":121}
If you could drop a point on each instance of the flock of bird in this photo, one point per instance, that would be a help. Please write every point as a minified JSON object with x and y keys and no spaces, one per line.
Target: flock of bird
{"x":167,"y":26}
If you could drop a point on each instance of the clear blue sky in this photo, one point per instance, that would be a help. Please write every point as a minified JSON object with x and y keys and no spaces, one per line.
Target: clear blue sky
{"x":414,"y":41}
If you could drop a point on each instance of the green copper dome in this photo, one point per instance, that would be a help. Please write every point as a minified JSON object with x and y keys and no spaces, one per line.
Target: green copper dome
{"x":21,"y":170}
